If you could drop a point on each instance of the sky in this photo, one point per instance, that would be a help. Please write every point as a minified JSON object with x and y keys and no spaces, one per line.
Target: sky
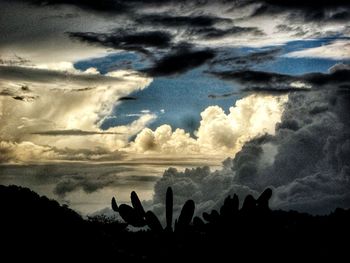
{"x":99,"y":98}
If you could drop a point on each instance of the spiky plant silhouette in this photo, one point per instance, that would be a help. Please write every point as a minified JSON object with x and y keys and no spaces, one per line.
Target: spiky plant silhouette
{"x":136,"y":216}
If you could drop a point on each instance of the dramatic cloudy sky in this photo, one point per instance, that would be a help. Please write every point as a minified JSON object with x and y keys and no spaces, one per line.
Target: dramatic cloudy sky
{"x":98,"y":98}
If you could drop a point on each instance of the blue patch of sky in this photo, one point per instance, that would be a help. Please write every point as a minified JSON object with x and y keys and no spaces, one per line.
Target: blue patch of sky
{"x":176,"y":100}
{"x":182,"y":98}
{"x":179,"y":100}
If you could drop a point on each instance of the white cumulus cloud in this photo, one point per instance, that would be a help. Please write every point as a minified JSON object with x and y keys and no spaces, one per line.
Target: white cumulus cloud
{"x":218,"y":133}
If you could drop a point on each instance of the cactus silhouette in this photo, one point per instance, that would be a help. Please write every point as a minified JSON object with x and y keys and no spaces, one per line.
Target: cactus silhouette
{"x":136,"y":203}
{"x":186,"y":214}
{"x":263,"y":200}
{"x":115,"y":205}
{"x":169,"y":209}
{"x":230,"y":207}
{"x":131,"y":216}
{"x":249,"y":204}
{"x":153,"y":222}
{"x":213,"y":217}
{"x":136,"y":216}
{"x":198,"y":222}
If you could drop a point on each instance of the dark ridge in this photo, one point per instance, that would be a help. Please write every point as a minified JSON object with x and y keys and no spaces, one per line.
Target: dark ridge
{"x":35,"y":227}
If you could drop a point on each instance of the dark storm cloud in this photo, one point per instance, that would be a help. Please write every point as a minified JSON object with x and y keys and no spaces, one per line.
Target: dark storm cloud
{"x":166,"y":20}
{"x":275,"y":90}
{"x":337,"y":77}
{"x":179,"y":57}
{"x":244,"y":61}
{"x":70,"y":133}
{"x":306,"y":4}
{"x":259,"y":80}
{"x":309,"y":10}
{"x":117,"y":6}
{"x":312,"y":159}
{"x":340,"y":15}
{"x":214,"y":33}
{"x":318,"y":11}
{"x":180,"y":61}
{"x":105,"y":6}
{"x":133,"y":41}
{"x":275,"y":82}
{"x":254,"y":77}
{"x":127,"y":98}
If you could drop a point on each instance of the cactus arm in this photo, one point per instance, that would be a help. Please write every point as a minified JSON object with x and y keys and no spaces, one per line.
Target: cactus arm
{"x":153,"y":222}
{"x":115,"y":205}
{"x":249,"y":204}
{"x":169,"y":208}
{"x":186,"y":214}
{"x":263,"y":200}
{"x":136,"y":203}
{"x":130,"y":216}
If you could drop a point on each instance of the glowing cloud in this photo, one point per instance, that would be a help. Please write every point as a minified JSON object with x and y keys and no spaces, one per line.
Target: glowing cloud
{"x":64,"y":102}
{"x":219,"y":133}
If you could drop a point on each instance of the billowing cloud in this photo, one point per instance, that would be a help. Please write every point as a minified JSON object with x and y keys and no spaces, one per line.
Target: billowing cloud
{"x":65,"y":104}
{"x":218,"y":133}
{"x":306,"y":161}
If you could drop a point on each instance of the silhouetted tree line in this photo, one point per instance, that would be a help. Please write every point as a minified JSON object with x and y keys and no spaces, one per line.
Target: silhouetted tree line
{"x":34,"y":227}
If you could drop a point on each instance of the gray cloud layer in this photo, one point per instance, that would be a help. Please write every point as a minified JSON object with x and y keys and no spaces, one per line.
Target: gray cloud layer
{"x":74,"y":132}
{"x":28,"y":74}
{"x":250,"y":80}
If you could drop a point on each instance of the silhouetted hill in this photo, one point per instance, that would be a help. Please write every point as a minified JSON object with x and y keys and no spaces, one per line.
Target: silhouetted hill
{"x":34,"y":227}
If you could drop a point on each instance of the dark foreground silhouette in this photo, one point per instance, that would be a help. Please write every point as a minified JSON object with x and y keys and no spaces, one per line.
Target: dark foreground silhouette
{"x":34,"y":227}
